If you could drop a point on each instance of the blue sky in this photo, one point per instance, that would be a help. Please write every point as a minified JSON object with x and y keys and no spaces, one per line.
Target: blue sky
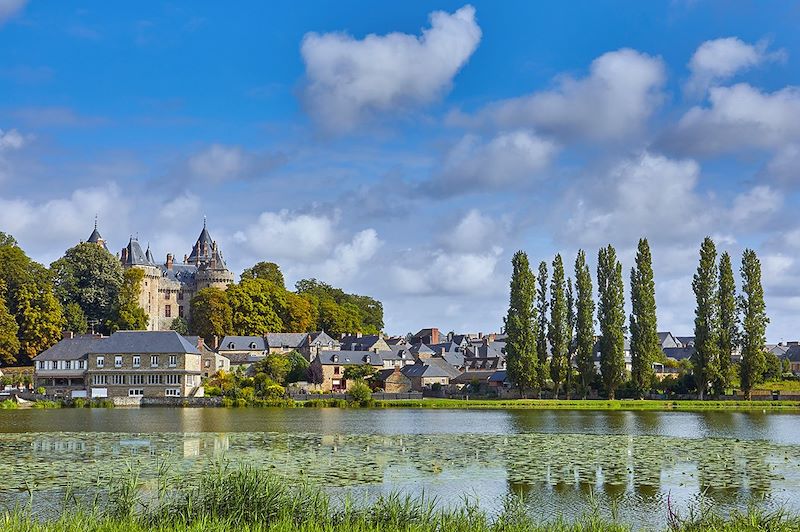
{"x":406,"y":150}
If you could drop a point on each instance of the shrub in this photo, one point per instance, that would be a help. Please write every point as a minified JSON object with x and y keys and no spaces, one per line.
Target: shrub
{"x":8,"y":404}
{"x":80,"y":403}
{"x":361,"y":393}
{"x":213,"y":391}
{"x":41,"y":390}
{"x":227,"y":402}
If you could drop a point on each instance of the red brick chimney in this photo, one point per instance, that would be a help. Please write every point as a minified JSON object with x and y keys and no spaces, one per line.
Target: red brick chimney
{"x":169,"y":261}
{"x":434,"y":335}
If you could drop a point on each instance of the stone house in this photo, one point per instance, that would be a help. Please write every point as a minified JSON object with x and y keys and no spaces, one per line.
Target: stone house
{"x":243,"y":351}
{"x":392,"y":380}
{"x":359,"y":342}
{"x":212,"y":361}
{"x":138,"y":364}
{"x":400,"y":355}
{"x":327,"y":369}
{"x":425,"y":373}
{"x":793,"y":356}
{"x":62,"y":368}
{"x":316,"y":342}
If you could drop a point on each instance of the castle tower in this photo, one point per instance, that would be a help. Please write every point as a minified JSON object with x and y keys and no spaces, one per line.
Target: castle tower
{"x":211,"y":268}
{"x":95,"y":237}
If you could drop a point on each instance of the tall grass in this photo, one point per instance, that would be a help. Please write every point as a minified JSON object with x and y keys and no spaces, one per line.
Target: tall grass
{"x":250,"y":500}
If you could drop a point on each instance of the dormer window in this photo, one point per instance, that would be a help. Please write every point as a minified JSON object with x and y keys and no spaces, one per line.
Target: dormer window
{"x":230,"y":345}
{"x":367,"y":359}
{"x":252,"y":345}
{"x":336,"y":358}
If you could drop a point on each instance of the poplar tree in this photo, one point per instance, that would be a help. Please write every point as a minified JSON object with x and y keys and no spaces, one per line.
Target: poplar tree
{"x":644,"y":329}
{"x":611,"y":314}
{"x":557,"y":332}
{"x":521,"y":326}
{"x":541,"y":333}
{"x":705,"y":360}
{"x":754,"y":324}
{"x":571,"y":345}
{"x":584,"y":324}
{"x":728,"y":324}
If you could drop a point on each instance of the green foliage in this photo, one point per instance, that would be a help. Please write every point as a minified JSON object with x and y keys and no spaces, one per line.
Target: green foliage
{"x":355,"y":313}
{"x":257,"y":306}
{"x":645,"y":348}
{"x":276,"y":366}
{"x":358,"y":372}
{"x":299,"y":367}
{"x":728,"y":324}
{"x":754,"y":323}
{"x":360,"y":392}
{"x":268,"y":271}
{"x":180,"y":326}
{"x":584,"y":323}
{"x":75,"y":319}
{"x":521,"y":326}
{"x":128,"y":315}
{"x":9,"y":342}
{"x":773,"y":369}
{"x":558,"y":330}
{"x":7,"y":240}
{"x":611,"y":315}
{"x":211,"y":314}
{"x":706,"y":321}
{"x":91,"y":277}
{"x":541,"y":332}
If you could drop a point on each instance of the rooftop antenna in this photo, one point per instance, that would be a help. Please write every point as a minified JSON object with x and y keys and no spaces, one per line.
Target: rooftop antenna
{"x":95,"y":221}
{"x":204,"y":221}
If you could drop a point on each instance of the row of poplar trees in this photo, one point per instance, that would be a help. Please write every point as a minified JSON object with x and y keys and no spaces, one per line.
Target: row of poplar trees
{"x":551,"y":327}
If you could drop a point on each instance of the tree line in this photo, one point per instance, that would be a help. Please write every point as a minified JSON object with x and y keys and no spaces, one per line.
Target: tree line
{"x":88,"y":289}
{"x":551,"y":334}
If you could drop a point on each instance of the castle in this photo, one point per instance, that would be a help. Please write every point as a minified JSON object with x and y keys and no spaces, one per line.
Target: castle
{"x":167,"y":289}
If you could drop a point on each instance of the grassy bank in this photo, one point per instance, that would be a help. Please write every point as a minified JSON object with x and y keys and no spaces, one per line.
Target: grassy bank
{"x":252,"y":500}
{"x":589,"y":404}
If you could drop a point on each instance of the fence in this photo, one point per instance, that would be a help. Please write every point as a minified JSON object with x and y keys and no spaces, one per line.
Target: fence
{"x":378,"y":396}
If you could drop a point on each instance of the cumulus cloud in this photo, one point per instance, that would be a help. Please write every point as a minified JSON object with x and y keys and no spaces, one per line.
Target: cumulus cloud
{"x":351,"y":80}
{"x":441,"y":272}
{"x":349,"y":257}
{"x":287,"y":235}
{"x":756,"y":205}
{"x":10,"y":140}
{"x":621,"y":91}
{"x":10,"y":8}
{"x":474,"y":231}
{"x":720,"y":59}
{"x":784,"y":167}
{"x":649,"y":195}
{"x":507,"y":159}
{"x":740,"y":116}
{"x":219,"y":162}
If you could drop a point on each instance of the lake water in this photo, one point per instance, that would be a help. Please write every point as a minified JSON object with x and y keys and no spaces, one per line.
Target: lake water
{"x":564,"y":462}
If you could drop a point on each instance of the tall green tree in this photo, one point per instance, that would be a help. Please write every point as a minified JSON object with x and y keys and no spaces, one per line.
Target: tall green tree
{"x":74,"y":318}
{"x":128,"y":315}
{"x":179,"y":325}
{"x":39,"y":316}
{"x":257,"y":306}
{"x":269,"y":271}
{"x":211,"y":314}
{"x":91,"y":277}
{"x":542,"y":351}
{"x":521,"y":325}
{"x":557,"y":332}
{"x":368,"y":311}
{"x":611,"y":315}
{"x":754,"y":324}
{"x":9,"y":343}
{"x":645,"y":349}
{"x":584,"y":324}
{"x":705,"y":361}
{"x":572,"y":345}
{"x":728,"y":324}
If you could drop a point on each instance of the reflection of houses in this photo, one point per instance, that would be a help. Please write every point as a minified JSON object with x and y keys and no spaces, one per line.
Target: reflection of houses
{"x":144,"y":364}
{"x":327,"y":370}
{"x":61,"y":369}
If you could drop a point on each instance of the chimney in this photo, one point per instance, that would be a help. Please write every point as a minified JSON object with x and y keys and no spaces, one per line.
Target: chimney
{"x":216,"y":342}
{"x":186,"y":259}
{"x":199,"y":342}
{"x":169,"y":261}
{"x":358,"y":335}
{"x":434,"y":335}
{"x":124,"y":255}
{"x":67,"y":335}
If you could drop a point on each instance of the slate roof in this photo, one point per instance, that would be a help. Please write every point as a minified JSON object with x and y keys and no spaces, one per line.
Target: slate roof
{"x":432,"y":367}
{"x":242,"y":343}
{"x":473,"y":375}
{"x":686,"y":341}
{"x":144,"y":342}
{"x":454,"y":359}
{"x":135,"y":256}
{"x":498,"y":376}
{"x":398,"y":352}
{"x":793,"y":353}
{"x":349,"y":358}
{"x":149,"y":256}
{"x":202,"y":250}
{"x":70,"y":348}
{"x":285,"y":340}
{"x":421,"y":349}
{"x":243,"y":358}
{"x":359,"y":343}
{"x":181,"y":273}
{"x":322,"y":338}
{"x":666,"y":339}
{"x":679,"y":353}
{"x":777,"y":350}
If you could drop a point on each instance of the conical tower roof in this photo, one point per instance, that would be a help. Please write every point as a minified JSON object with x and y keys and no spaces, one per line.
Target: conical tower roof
{"x":96,"y":238}
{"x":204,"y":250}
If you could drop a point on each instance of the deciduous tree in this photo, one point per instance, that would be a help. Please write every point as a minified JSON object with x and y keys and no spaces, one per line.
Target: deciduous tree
{"x":542,"y":351}
{"x":128,"y":315}
{"x":211,"y":314}
{"x":728,"y":324}
{"x":269,"y":271}
{"x":9,"y":343}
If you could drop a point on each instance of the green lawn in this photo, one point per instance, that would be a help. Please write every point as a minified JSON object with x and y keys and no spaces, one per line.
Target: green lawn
{"x":578,"y":404}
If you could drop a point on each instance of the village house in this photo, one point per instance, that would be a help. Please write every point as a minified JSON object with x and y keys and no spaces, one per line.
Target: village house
{"x":392,"y":380}
{"x":327,"y":370}
{"x":429,"y":372}
{"x":398,"y":356}
{"x":140,"y":364}
{"x":61,"y":369}
{"x":243,"y":351}
{"x":212,"y":362}
{"x":366,"y":342}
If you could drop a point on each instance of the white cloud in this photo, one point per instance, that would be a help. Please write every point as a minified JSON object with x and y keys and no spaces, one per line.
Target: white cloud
{"x":10,"y":140}
{"x":184,"y":207}
{"x":449,"y":273}
{"x":350,"y":80}
{"x":219,"y":162}
{"x":287,"y":235}
{"x":756,"y":205}
{"x":507,"y":159}
{"x":474,"y":231}
{"x":9,"y":8}
{"x":349,"y":257}
{"x":721,"y":59}
{"x":620,"y":93}
{"x":784,"y":167}
{"x":737,"y":117}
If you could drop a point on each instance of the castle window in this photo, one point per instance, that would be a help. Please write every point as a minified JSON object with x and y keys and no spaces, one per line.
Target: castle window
{"x":180,"y":296}
{"x":180,"y":310}
{"x":166,"y":295}
{"x":167,"y":311}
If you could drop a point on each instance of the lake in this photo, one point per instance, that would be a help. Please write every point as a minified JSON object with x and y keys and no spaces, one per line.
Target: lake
{"x":563,"y":462}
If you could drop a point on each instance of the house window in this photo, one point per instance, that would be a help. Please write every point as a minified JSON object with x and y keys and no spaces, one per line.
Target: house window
{"x":167,"y":311}
{"x":173,"y":361}
{"x":335,"y":370}
{"x":118,"y":379}
{"x":154,"y":361}
{"x":117,"y":361}
{"x":135,"y":392}
{"x":173,"y":379}
{"x":101,"y":362}
{"x":81,"y":364}
{"x":180,"y":311}
{"x":207,"y":363}
{"x":230,"y":345}
{"x":99,"y":380}
{"x":68,"y":364}
{"x":136,"y":379}
{"x":40,"y":364}
{"x":172,"y":392}
{"x":154,"y":379}
{"x":137,"y":361}
{"x":180,"y":296}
